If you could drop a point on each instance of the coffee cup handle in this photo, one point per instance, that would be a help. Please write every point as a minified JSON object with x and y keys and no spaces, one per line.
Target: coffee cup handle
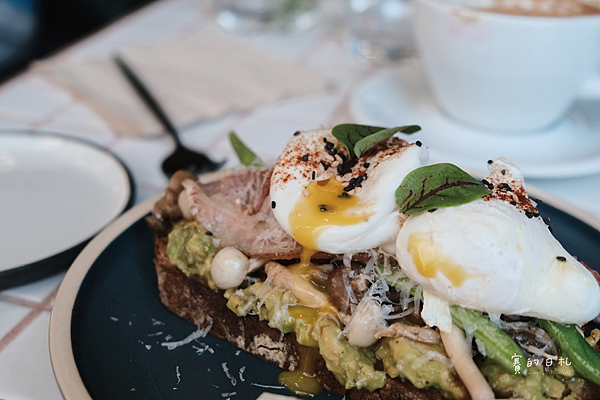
{"x":591,"y":88}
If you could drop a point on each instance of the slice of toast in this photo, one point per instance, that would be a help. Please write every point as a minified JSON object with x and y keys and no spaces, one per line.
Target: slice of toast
{"x":192,"y":299}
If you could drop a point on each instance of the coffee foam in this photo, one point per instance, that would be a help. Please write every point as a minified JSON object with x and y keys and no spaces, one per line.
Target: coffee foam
{"x":540,"y":8}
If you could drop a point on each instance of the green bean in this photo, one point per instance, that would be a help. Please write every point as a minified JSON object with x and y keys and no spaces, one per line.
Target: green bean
{"x":498,"y":345}
{"x":585,"y":360}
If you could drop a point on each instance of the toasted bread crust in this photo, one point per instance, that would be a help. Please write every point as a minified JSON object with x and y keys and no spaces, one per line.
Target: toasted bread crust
{"x":192,"y":299}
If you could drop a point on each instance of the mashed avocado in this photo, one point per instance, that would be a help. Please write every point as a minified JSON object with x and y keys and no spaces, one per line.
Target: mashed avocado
{"x":422,"y":364}
{"x":278,"y":307}
{"x":191,"y":250}
{"x":539,"y":384}
{"x":352,"y":366}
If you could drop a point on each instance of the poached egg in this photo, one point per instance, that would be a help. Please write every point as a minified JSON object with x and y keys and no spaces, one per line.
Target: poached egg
{"x":496,"y":255}
{"x":328,"y":204}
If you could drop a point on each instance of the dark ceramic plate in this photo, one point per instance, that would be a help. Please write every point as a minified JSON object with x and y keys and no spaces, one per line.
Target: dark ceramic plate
{"x":111,"y":338}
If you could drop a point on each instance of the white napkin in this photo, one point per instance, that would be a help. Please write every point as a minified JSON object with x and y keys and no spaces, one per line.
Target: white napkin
{"x":195,"y":78}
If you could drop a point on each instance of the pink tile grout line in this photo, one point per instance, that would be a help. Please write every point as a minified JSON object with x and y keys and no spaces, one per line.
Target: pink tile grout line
{"x":51,"y":116}
{"x":23,"y":302}
{"x":37,"y":309}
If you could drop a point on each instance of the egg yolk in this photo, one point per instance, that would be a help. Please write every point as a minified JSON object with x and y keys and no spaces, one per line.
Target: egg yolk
{"x":323,"y":204}
{"x":429,"y":261}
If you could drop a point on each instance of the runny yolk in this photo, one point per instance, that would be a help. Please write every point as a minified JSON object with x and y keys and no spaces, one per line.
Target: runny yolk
{"x":430,"y":261}
{"x":303,"y":380}
{"x":324,"y":204}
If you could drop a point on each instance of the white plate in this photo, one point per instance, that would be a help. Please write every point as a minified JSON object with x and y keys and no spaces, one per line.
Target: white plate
{"x":56,"y":194}
{"x":401,"y":96}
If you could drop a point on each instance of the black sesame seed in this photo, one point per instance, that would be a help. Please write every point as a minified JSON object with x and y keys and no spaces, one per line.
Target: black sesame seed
{"x":485,"y":182}
{"x":313,"y":175}
{"x":325,"y":165}
{"x":305,"y":158}
{"x":418,"y":143}
{"x":296,"y":133}
{"x":514,"y":203}
{"x":328,"y":146}
{"x":490,"y":161}
{"x":332,"y":152}
{"x":550,"y":229}
{"x":529,"y":214}
{"x":342,"y":156}
{"x":366,"y":165}
{"x":322,"y":208}
{"x":491,"y":186}
{"x":546,"y":220}
{"x":432,"y":210}
{"x":561,"y":258}
{"x":273,"y":204}
{"x":325,"y":139}
{"x":209,"y":233}
{"x":503,"y":172}
{"x":345,"y":194}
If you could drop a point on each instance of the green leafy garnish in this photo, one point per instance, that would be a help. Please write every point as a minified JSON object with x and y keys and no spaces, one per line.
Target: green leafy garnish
{"x":436,"y":186}
{"x":359,"y":138}
{"x":247,"y":157}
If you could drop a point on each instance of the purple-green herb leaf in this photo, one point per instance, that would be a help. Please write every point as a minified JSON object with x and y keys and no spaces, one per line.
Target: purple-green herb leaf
{"x":351,"y":134}
{"x":436,"y":186}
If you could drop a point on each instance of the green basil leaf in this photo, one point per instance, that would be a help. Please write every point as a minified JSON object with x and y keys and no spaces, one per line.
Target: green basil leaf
{"x":245,"y":155}
{"x":350,"y":134}
{"x":436,"y":186}
{"x":372,"y":140}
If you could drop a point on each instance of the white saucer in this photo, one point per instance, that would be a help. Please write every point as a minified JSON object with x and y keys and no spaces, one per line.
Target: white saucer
{"x":56,"y":193}
{"x":401,"y":96}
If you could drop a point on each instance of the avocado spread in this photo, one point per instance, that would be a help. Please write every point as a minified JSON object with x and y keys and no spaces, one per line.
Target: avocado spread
{"x":537,"y":385}
{"x":191,"y":250}
{"x":352,"y":366}
{"x":422,"y":364}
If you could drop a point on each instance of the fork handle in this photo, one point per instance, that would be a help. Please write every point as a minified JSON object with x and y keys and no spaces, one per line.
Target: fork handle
{"x":144,"y":93}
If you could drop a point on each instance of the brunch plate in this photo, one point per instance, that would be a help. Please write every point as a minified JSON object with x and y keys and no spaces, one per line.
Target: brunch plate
{"x":111,"y":337}
{"x":58,"y":192}
{"x":401,"y":96}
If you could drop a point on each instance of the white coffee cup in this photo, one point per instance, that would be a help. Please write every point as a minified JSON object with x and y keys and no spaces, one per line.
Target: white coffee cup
{"x":504,"y":72}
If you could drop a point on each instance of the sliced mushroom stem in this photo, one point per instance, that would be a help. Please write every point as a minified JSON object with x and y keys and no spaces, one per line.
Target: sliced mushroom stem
{"x":418,"y":333}
{"x":462,"y":360}
{"x":302,"y":290}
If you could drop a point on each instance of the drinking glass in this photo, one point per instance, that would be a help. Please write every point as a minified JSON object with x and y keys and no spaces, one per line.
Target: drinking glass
{"x":380,"y":30}
{"x":291,"y":16}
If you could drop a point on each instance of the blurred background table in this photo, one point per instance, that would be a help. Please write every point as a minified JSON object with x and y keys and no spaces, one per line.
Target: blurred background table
{"x":30,"y":102}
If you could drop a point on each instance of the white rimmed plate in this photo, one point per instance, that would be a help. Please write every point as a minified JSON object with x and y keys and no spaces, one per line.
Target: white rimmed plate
{"x":401,"y":96}
{"x":56,"y":193}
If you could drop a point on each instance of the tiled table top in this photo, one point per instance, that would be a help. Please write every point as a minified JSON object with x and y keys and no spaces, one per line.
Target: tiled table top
{"x":30,"y":102}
